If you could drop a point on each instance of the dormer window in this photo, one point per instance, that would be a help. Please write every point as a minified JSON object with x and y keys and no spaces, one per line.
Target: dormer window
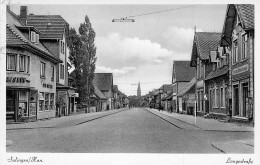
{"x":37,"y":38}
{"x":33,"y":37}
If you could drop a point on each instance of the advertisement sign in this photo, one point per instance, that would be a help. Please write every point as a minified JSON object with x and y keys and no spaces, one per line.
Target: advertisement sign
{"x":62,"y":98}
{"x":32,"y":109}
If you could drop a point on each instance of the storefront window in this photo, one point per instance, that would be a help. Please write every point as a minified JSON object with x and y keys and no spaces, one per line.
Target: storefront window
{"x":23,"y":102}
{"x":52,"y":101}
{"x":222,"y":95}
{"x":46,"y":101}
{"x":32,"y":105}
{"x":41,"y":101}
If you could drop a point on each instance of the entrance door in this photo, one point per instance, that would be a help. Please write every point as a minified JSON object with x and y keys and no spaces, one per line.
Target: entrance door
{"x":245,"y":99}
{"x":10,"y":105}
{"x":236,"y":100}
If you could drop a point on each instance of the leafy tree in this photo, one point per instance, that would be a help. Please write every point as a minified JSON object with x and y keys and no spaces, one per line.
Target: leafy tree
{"x":83,"y":58}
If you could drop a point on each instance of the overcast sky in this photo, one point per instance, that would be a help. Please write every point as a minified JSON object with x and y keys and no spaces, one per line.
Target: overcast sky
{"x":144,"y":50}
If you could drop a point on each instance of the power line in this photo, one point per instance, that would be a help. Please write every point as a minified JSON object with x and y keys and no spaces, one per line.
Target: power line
{"x":146,"y":82}
{"x":157,"y":12}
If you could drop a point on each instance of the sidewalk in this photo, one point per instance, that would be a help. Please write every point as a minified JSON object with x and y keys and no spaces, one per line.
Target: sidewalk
{"x":207,"y":124}
{"x":62,"y":121}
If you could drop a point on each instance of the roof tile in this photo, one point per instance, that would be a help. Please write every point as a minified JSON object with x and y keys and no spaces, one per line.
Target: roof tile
{"x":103,"y":81}
{"x":183,"y":71}
{"x":205,"y":42}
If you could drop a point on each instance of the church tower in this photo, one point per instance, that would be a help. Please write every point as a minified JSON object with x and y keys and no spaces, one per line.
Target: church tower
{"x":139,"y":90}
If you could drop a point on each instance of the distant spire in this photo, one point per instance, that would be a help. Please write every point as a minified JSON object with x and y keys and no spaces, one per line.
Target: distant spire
{"x":139,"y":90}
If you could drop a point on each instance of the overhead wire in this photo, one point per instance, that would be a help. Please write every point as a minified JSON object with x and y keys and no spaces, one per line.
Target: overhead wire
{"x":157,"y":12}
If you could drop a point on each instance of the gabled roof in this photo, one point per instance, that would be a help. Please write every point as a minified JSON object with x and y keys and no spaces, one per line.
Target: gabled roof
{"x":166,"y":87}
{"x":103,"y":81}
{"x":218,"y":72}
{"x":245,"y":13}
{"x":183,"y":71}
{"x":14,"y":37}
{"x":205,"y":42}
{"x":98,"y":93}
{"x":50,"y":26}
{"x":187,"y":87}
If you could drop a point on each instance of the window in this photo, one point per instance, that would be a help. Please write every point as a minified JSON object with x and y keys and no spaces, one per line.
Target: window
{"x":222,"y":97}
{"x":52,"y":73}
{"x":22,"y":63}
{"x":42,"y":70}
{"x":244,"y":46}
{"x":11,"y":62}
{"x":235,"y":55}
{"x":46,"y":99}
{"x":23,"y":102}
{"x":33,"y":38}
{"x":61,"y":46}
{"x":28,"y":64}
{"x":217,"y":97}
{"x":61,"y":71}
{"x":41,"y":101}
{"x":37,"y":38}
{"x":51,"y":101}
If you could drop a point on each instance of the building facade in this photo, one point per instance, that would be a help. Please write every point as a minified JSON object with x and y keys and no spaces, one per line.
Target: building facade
{"x":238,"y":37}
{"x":203,"y":43}
{"x":217,"y":83}
{"x":30,"y":73}
{"x":181,"y":75}
{"x":53,"y":35}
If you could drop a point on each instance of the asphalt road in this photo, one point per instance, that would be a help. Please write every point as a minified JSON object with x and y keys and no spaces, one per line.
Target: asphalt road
{"x":131,"y":131}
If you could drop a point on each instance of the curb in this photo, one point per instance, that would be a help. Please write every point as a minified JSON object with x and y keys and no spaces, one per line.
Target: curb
{"x":206,"y":129}
{"x":55,"y":125}
{"x":181,"y":120}
{"x":164,"y":119}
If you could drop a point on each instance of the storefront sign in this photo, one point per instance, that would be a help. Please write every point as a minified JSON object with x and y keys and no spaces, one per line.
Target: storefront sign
{"x":15,"y":79}
{"x":240,"y":69}
{"x":47,"y":85}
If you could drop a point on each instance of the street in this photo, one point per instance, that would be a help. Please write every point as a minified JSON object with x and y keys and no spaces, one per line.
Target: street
{"x":136,"y":130}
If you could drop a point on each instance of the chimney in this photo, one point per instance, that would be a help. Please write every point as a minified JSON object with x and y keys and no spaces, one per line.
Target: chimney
{"x":23,"y":14}
{"x":7,"y":7}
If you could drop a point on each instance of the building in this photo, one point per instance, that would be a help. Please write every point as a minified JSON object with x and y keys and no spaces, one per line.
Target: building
{"x":182,"y":74}
{"x":166,"y":90}
{"x":30,"y":73}
{"x":104,"y":82}
{"x":53,"y":35}
{"x":203,"y":43}
{"x":216,"y":84}
{"x":187,"y":97}
{"x":97,"y":101}
{"x":238,"y":36}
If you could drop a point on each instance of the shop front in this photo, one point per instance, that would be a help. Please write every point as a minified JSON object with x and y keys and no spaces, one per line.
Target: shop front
{"x":241,"y":96}
{"x":21,"y":104}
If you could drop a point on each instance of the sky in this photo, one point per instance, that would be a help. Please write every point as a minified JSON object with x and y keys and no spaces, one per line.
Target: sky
{"x":143,"y":50}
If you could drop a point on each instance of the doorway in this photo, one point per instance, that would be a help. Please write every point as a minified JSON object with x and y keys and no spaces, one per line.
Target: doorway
{"x":236,"y":100}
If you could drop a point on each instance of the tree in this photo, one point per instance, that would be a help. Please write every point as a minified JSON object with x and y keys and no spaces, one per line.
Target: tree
{"x":83,"y":58}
